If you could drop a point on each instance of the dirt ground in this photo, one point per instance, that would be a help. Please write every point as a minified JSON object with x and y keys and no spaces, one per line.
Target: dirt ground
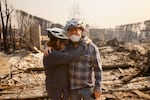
{"x":4,"y":65}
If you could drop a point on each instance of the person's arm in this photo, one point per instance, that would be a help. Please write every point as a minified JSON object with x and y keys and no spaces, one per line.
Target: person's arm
{"x":57,"y":57}
{"x":97,"y":64}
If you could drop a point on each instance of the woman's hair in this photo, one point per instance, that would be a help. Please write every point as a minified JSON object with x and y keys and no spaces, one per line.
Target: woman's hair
{"x":53,"y":43}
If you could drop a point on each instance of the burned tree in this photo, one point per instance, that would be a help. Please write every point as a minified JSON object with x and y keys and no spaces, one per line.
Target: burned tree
{"x":5,"y":13}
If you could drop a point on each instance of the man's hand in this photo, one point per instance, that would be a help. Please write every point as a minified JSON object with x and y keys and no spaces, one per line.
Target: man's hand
{"x":47,"y":50}
{"x":97,"y":94}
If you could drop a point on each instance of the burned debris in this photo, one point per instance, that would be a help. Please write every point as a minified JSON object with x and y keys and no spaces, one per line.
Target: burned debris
{"x":126,"y":71}
{"x":125,"y":77}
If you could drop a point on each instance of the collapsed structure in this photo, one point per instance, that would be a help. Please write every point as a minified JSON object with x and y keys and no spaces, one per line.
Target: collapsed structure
{"x":125,"y":77}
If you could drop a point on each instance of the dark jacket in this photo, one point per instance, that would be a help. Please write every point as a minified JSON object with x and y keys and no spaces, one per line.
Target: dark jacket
{"x":56,"y":63}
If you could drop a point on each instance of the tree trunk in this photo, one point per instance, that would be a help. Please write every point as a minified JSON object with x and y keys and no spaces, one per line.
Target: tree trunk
{"x":0,"y":39}
{"x":4,"y":31}
{"x":4,"y":22}
{"x":5,"y":40}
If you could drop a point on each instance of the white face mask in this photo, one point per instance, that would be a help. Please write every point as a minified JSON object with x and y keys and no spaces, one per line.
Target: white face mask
{"x":75,"y":38}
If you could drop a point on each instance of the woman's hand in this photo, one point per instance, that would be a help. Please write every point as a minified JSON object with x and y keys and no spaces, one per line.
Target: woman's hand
{"x":87,"y":40}
{"x":47,"y":51}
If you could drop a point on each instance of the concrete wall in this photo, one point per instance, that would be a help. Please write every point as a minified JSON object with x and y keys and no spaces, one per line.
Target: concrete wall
{"x":36,"y":36}
{"x":128,"y":32}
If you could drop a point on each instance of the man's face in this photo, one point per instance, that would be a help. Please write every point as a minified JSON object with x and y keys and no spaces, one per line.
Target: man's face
{"x":75,"y":31}
{"x":75,"y":34}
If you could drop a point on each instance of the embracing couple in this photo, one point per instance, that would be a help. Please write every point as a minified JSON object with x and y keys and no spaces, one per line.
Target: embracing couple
{"x":72,"y":64}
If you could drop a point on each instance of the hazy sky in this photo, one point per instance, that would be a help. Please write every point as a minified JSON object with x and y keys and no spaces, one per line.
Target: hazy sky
{"x":99,"y":13}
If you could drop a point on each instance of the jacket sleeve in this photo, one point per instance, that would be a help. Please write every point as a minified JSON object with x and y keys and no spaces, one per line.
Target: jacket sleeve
{"x":97,"y":64}
{"x":57,"y":57}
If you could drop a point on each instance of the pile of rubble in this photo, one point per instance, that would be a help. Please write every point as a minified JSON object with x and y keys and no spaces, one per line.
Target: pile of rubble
{"x":126,"y":71}
{"x":125,"y":77}
{"x":24,"y":79}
